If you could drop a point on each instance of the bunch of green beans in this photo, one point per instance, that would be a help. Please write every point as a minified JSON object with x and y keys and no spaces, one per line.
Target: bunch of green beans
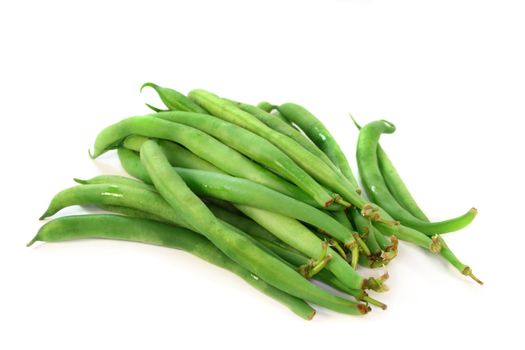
{"x":261,"y":190}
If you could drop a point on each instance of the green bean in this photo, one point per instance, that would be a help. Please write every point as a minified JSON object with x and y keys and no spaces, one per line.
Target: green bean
{"x":235,"y":246}
{"x":128,"y":199}
{"x":133,"y":197}
{"x":294,"y":234}
{"x":173,"y":151}
{"x":394,"y":183}
{"x":320,"y":135}
{"x":340,"y":216}
{"x":378,"y":191}
{"x":132,"y":212}
{"x":397,"y":187}
{"x":364,"y":226}
{"x":241,"y":191}
{"x":154,"y":233}
{"x":224,"y":157}
{"x":436,"y":245}
{"x":310,"y":163}
{"x":174,"y":99}
{"x":386,"y":243}
{"x":129,"y":162}
{"x":115,"y":180}
{"x":325,"y":276}
{"x":265,"y":153}
{"x":284,"y":128}
{"x":408,"y":234}
{"x":241,"y":222}
{"x":454,"y":261}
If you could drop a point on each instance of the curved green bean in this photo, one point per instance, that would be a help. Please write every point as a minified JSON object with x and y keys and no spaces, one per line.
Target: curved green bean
{"x":397,"y":186}
{"x":174,"y":99}
{"x":378,"y":191}
{"x":198,"y":142}
{"x":243,"y":141}
{"x":284,"y":128}
{"x":235,"y":246}
{"x":242,"y":191}
{"x":150,"y":232}
{"x":320,"y":135}
{"x":394,"y":183}
{"x":334,"y":181}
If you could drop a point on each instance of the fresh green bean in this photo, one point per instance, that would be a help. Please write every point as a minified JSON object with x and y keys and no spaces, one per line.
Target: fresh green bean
{"x":174,"y":100}
{"x":235,"y":246}
{"x":265,"y":153}
{"x":294,"y":234}
{"x":286,"y":229}
{"x":397,"y":187}
{"x":325,"y":276}
{"x":394,"y":183}
{"x":320,"y":135}
{"x":128,"y":161}
{"x":279,"y":125}
{"x":115,"y":180}
{"x":150,"y":232}
{"x":310,"y":163}
{"x":241,"y":191}
{"x":115,"y":195}
{"x":243,"y":223}
{"x":224,"y":157}
{"x":378,"y":191}
{"x":454,"y":261}
{"x":173,"y":151}
{"x":364,"y":226}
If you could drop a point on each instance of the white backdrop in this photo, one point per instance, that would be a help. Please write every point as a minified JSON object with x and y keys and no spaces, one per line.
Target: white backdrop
{"x":449,"y":74}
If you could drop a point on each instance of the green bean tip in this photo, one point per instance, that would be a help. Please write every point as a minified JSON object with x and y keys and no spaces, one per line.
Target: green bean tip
{"x":311,"y":316}
{"x":80,"y":181}
{"x":467,"y":271}
{"x":355,"y":121}
{"x":148,"y":84}
{"x":30,"y":243}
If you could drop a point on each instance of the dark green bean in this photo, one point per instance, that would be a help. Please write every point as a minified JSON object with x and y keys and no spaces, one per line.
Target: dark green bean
{"x":235,"y":246}
{"x":155,"y":233}
{"x":320,"y":135}
{"x":378,"y":191}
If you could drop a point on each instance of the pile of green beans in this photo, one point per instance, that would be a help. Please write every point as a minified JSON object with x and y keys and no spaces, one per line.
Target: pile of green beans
{"x":261,"y":190}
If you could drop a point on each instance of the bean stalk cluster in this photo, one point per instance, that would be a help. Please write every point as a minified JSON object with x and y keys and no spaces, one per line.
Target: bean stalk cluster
{"x":263,"y":191}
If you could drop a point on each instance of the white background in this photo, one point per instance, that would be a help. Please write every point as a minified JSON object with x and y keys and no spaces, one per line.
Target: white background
{"x":449,"y":74}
